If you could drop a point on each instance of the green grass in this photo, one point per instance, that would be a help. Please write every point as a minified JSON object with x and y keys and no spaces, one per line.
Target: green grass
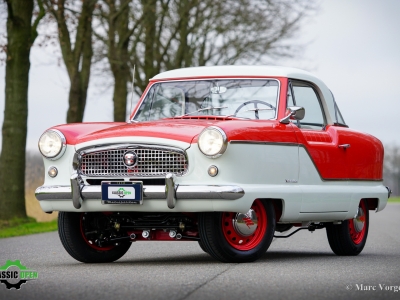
{"x":18,"y":227}
{"x":394,"y":199}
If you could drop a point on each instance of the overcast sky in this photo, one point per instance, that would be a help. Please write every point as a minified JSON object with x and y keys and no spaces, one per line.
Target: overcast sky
{"x":355,"y":50}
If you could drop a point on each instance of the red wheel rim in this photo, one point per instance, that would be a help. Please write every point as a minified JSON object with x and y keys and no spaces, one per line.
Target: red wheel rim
{"x":238,"y":240}
{"x":90,"y":243}
{"x":358,"y":225}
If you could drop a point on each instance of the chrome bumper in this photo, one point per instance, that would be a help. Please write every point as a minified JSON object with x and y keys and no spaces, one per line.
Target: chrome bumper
{"x":78,"y":192}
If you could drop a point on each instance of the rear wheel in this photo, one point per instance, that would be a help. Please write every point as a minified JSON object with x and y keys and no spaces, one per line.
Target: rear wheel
{"x":350,"y":236}
{"x":80,"y":234}
{"x":238,"y":237}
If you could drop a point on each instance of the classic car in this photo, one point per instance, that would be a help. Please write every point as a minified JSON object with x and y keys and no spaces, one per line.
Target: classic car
{"x":226,"y":156}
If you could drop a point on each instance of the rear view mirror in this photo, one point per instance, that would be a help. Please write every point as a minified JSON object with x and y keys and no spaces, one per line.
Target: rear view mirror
{"x":295,"y":112}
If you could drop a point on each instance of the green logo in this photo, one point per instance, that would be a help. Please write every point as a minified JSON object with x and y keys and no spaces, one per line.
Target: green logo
{"x":121,"y":192}
{"x":13,"y":274}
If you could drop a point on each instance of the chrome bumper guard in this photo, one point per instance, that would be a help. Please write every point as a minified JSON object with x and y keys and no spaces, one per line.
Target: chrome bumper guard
{"x":172,"y":192}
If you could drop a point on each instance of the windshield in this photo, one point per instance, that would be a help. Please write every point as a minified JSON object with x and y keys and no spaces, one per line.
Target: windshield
{"x":242,"y":98}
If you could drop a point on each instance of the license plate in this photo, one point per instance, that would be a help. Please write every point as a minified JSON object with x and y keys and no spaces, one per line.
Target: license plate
{"x":122,"y":192}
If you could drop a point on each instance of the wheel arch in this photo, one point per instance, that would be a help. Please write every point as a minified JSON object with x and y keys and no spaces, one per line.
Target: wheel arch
{"x":279,"y":206}
{"x":372,"y":203}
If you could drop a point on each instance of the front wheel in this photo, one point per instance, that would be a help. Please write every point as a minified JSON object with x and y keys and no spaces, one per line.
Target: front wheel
{"x":201,"y":244}
{"x":350,"y":236}
{"x":238,"y":237}
{"x":80,"y":234}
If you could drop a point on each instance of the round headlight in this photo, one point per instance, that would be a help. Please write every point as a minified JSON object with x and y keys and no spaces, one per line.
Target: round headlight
{"x":212,"y":142}
{"x":52,"y":144}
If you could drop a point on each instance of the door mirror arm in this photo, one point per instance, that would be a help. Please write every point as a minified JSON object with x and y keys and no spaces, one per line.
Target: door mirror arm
{"x":295,"y":113}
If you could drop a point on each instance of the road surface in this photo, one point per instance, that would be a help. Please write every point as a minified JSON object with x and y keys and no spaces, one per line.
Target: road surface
{"x":301,"y":267}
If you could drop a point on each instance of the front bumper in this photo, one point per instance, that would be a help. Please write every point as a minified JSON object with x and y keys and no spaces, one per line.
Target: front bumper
{"x":171,"y":192}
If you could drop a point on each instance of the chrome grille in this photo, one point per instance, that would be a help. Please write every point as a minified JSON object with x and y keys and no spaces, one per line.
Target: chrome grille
{"x":151,"y":161}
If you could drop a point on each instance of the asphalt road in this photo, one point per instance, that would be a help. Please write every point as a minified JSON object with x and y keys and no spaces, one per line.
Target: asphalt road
{"x":301,"y":267}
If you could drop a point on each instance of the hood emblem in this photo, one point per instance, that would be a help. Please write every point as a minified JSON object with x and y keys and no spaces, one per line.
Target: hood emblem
{"x":130,"y":159}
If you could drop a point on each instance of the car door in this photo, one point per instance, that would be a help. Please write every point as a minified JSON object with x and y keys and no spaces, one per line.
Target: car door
{"x":323,"y":172}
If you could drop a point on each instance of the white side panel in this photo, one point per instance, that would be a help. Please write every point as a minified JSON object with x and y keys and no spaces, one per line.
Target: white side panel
{"x":260,"y":169}
{"x":319,"y":195}
{"x":244,"y":164}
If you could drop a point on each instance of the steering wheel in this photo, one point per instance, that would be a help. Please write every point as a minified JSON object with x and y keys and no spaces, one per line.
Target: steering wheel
{"x":256,"y":109}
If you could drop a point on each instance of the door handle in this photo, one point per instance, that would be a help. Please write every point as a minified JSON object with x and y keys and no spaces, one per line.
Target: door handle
{"x":344,"y":146}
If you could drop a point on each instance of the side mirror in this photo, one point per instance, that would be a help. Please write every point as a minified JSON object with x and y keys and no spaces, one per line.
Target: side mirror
{"x":295,"y":112}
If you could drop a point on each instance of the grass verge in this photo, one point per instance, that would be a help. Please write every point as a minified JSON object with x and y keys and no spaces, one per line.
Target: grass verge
{"x":25,"y":226}
{"x":394,"y":199}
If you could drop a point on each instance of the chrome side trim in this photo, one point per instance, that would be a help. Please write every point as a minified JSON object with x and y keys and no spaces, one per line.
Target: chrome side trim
{"x":54,"y":192}
{"x":265,"y":143}
{"x":225,"y":192}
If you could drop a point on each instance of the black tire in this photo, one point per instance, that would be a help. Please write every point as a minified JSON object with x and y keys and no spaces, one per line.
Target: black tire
{"x":347,"y":239}
{"x":71,"y":236}
{"x":201,"y":244}
{"x":226,"y":245}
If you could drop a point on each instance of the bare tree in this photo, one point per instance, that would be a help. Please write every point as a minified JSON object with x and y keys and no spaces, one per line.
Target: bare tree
{"x":74,"y":23}
{"x":21,"y":33}
{"x":169,"y":34}
{"x":114,"y":17}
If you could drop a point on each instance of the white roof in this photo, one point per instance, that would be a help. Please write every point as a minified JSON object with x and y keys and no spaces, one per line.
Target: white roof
{"x":237,"y":71}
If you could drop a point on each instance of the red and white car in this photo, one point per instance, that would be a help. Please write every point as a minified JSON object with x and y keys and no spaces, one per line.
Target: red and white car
{"x":226,"y":156}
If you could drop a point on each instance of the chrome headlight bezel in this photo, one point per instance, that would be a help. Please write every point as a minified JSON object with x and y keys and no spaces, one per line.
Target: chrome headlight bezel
{"x":63,"y":144}
{"x":223,"y":139}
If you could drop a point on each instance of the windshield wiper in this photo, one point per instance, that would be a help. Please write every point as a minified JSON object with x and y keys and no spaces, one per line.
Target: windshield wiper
{"x":258,"y":109}
{"x":205,"y":108}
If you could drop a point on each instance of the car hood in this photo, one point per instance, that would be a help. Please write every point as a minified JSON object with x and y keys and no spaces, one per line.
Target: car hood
{"x":185,"y":130}
{"x":181,"y":130}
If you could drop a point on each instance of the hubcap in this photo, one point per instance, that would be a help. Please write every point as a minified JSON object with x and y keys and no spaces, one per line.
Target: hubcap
{"x":358,"y":226}
{"x":245,"y":231}
{"x":359,"y":220}
{"x":245,"y":224}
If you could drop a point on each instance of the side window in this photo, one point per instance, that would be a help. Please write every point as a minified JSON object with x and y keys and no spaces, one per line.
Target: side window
{"x":338,"y":116}
{"x":305,"y":96}
{"x":290,"y":100}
